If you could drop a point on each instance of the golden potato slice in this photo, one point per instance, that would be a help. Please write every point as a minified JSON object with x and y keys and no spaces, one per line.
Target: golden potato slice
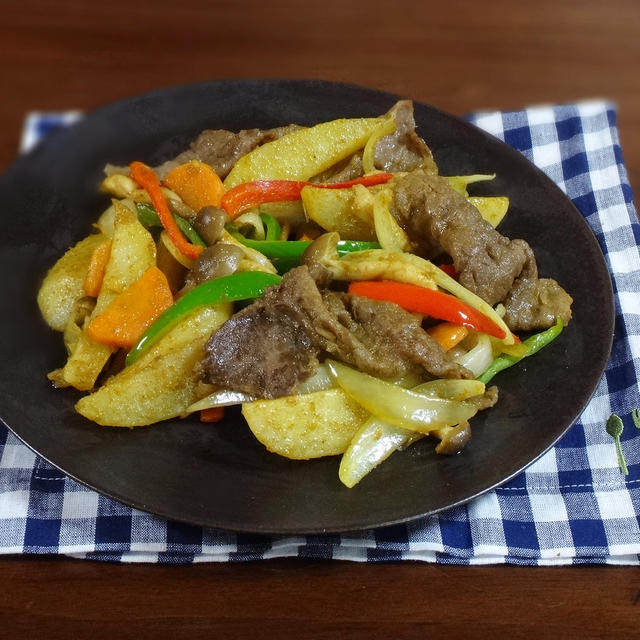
{"x":460,"y":183}
{"x":492,"y":209}
{"x":340,"y":210}
{"x":133,"y":251}
{"x":306,"y":426}
{"x":84,"y":364}
{"x":107,"y":220}
{"x":303,"y":153}
{"x":118,"y":185}
{"x":162,"y":383}
{"x":63,"y":285}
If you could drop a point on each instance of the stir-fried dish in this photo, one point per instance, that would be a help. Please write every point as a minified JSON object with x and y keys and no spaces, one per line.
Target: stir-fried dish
{"x":326,"y":278}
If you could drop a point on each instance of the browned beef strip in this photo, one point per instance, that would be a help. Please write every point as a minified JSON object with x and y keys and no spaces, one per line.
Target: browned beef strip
{"x":262,"y":350}
{"x":439,"y":220}
{"x":382,"y":339}
{"x":217,"y":147}
{"x":535,"y":303}
{"x":273,"y":344}
{"x":348,"y":169}
{"x":404,"y":150}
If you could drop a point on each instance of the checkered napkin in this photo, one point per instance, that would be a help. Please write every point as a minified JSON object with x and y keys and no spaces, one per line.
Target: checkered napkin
{"x":572,"y":506}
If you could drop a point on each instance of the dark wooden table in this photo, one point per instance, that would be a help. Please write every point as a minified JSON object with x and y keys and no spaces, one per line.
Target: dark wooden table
{"x":459,"y":56}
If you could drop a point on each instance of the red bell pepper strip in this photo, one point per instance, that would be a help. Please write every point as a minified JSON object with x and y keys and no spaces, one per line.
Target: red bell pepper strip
{"x":450,"y":270}
{"x":148,"y":180}
{"x":428,"y":302}
{"x":251,"y":194}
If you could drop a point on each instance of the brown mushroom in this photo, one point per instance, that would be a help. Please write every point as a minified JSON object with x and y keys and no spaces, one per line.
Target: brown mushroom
{"x":453,"y":439}
{"x":321,"y":251}
{"x":214,"y":262}
{"x":210,"y":222}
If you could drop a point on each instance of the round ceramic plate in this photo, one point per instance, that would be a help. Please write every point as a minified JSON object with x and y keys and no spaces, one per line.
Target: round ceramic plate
{"x":219,"y":475}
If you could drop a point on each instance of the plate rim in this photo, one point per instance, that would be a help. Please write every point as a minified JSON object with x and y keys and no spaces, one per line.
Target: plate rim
{"x":56,"y":136}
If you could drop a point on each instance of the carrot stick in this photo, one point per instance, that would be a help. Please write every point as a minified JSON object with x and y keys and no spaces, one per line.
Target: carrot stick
{"x":148,"y":180}
{"x":123,"y":322}
{"x":448,"y":335}
{"x":213,"y":414}
{"x":196,"y":183}
{"x":97,"y":266}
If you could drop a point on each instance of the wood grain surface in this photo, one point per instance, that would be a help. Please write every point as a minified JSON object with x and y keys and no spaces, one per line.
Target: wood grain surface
{"x":293,"y":599}
{"x":457,"y":55}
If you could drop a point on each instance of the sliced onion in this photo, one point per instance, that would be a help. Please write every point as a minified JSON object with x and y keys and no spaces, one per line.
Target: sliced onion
{"x":478,"y":359}
{"x":254,"y":260}
{"x":377,"y":439}
{"x":253,"y":220}
{"x":390,"y":234}
{"x":385,"y":128}
{"x":173,"y":250}
{"x":319,"y":381}
{"x":373,"y":443}
{"x":220,"y":398}
{"x":451,"y":389}
{"x":399,"y":406}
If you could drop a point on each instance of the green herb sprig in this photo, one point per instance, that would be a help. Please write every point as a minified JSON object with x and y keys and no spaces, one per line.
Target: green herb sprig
{"x":615,"y":428}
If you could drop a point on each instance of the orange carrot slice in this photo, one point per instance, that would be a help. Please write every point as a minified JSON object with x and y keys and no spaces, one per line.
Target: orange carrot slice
{"x":213,"y":414}
{"x":123,"y":322}
{"x":97,"y":266}
{"x":196,"y":183}
{"x":448,"y":335}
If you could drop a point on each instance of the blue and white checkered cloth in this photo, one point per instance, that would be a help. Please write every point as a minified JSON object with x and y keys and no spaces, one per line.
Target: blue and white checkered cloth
{"x":572,"y":506}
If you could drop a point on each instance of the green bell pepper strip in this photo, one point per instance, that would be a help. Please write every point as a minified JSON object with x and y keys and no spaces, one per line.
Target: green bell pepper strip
{"x":272,"y":227}
{"x":149,"y":218}
{"x":533,"y":343}
{"x":286,"y":254}
{"x":293,"y":249}
{"x":350,"y":246}
{"x":238,"y":286}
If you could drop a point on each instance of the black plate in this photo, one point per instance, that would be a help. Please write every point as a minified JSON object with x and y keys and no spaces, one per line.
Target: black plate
{"x":220,"y":475}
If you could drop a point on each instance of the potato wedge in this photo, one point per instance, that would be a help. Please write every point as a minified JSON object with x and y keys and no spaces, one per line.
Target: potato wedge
{"x":107,"y":219}
{"x":492,"y":209}
{"x":303,"y":153}
{"x":460,"y":183}
{"x":306,"y":426}
{"x":340,"y":210}
{"x":118,"y":185}
{"x":85,"y":363}
{"x":133,"y":251}
{"x":62,"y":287}
{"x":162,"y":383}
